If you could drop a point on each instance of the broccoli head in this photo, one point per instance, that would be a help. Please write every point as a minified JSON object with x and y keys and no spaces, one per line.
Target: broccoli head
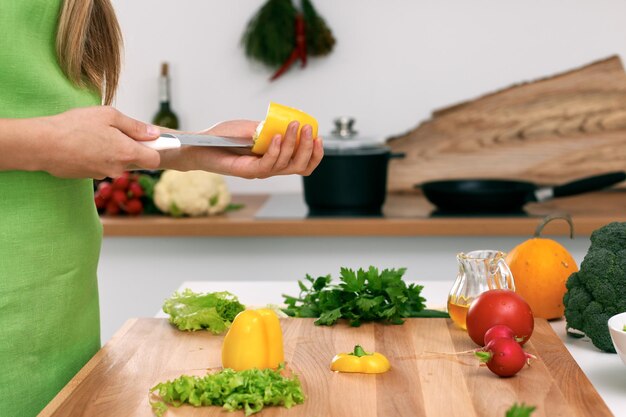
{"x":598,"y":290}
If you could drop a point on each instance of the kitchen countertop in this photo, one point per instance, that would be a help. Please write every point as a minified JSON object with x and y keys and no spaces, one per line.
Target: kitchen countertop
{"x":606,"y":371}
{"x":403,"y":215}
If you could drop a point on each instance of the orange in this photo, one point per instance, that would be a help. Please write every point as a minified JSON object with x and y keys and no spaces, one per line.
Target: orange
{"x":540,"y":269}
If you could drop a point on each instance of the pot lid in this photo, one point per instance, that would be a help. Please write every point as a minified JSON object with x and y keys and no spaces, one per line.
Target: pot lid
{"x":345,"y":139}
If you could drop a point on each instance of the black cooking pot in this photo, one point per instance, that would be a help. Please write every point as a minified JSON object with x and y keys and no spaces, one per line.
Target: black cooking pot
{"x":351,"y":180}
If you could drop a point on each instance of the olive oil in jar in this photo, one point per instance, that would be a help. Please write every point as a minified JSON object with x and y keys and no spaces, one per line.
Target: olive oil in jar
{"x":457,"y":308}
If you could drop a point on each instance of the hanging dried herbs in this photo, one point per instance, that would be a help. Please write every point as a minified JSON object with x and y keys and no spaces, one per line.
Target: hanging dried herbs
{"x":278,"y":35}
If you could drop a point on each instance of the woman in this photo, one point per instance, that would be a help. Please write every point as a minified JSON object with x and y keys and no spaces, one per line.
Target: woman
{"x":58,"y":62}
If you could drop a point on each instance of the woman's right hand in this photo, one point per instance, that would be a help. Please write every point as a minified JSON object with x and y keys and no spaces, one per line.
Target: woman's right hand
{"x":95,"y":142}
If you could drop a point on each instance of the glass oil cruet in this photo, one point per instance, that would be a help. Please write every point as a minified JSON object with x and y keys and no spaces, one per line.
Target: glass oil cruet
{"x":479,"y":271}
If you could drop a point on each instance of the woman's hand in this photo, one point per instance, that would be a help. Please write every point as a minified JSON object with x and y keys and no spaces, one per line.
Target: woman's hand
{"x":282,"y":157}
{"x":95,"y":142}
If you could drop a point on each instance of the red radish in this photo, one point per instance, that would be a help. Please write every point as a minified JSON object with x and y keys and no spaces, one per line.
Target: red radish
{"x":121,"y":183}
{"x":134,"y":206}
{"x":105,"y":190}
{"x":119,"y":197}
{"x":498,"y":331}
{"x":504,"y":357}
{"x":135,"y":189}
{"x":100,"y":202}
{"x":112,"y":208}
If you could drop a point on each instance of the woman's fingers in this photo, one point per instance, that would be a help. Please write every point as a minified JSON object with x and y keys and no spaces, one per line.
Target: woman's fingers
{"x":304,"y":152}
{"x":287,"y":147}
{"x":134,"y":128}
{"x":267,"y":162}
{"x":316,"y":156}
{"x":131,"y":153}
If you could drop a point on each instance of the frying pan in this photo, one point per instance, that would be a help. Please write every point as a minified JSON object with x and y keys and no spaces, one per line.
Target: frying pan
{"x":501,"y":196}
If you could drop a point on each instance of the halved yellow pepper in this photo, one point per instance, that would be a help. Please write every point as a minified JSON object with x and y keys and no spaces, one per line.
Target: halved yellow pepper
{"x":360,"y":361}
{"x":254,"y":340}
{"x":276,"y":121}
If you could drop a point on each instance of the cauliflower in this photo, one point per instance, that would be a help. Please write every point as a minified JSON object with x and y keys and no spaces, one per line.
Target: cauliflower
{"x":192,"y":193}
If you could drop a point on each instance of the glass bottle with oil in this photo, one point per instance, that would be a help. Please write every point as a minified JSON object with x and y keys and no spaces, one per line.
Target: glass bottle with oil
{"x":479,"y":271}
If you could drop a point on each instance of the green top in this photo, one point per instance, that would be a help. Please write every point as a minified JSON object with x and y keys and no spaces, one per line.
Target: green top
{"x":50,"y":233}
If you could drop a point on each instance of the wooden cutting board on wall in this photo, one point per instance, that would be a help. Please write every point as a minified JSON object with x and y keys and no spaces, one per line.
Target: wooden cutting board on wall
{"x":548,"y":131}
{"x":147,"y":351}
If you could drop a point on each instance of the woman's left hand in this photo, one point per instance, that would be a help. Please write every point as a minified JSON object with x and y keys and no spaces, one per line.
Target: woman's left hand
{"x":282,"y":157}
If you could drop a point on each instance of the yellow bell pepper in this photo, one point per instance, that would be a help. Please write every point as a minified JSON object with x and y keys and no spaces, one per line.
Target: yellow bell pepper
{"x":254,"y":340}
{"x":276,"y":121}
{"x":360,"y":361}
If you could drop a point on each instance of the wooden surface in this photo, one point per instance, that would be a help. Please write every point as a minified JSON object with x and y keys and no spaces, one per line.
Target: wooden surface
{"x":549,"y":131}
{"x":405,"y":215}
{"x":147,"y":351}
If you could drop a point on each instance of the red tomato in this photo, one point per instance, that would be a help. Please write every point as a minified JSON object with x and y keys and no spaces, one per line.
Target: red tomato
{"x":499,"y":307}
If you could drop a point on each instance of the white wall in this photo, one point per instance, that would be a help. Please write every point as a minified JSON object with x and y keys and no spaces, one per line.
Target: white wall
{"x":137,"y":274}
{"x":394,"y":60}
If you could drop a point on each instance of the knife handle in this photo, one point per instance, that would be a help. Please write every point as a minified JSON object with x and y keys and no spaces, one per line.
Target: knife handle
{"x":161,"y":143}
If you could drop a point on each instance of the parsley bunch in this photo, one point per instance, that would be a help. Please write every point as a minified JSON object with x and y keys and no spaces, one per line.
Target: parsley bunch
{"x":520,"y":410}
{"x":360,"y":296}
{"x":249,"y":390}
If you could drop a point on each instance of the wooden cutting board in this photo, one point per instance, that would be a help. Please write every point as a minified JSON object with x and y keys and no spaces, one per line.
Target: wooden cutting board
{"x":147,"y":351}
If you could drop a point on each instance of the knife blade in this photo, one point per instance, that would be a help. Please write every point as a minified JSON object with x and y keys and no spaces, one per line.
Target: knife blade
{"x":176,"y":140}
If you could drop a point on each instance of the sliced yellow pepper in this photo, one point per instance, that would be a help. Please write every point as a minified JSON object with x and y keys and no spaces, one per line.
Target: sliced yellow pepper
{"x":276,"y":121}
{"x":254,"y":340}
{"x":360,"y":361}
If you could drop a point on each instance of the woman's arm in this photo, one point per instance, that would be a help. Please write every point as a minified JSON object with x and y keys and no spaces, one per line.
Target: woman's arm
{"x":92,"y":142}
{"x":98,"y":142}
{"x":282,"y":158}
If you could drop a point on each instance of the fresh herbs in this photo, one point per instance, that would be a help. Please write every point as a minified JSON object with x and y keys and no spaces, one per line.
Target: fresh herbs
{"x":520,"y":410}
{"x":248,"y":390}
{"x":360,"y":296}
{"x":196,"y":311}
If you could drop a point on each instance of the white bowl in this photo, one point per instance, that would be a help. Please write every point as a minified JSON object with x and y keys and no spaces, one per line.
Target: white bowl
{"x":618,"y":335}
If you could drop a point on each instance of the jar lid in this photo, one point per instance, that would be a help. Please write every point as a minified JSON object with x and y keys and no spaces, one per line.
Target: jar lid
{"x":345,"y":140}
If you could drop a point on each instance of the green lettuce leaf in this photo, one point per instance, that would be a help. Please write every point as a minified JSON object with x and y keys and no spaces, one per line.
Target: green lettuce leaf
{"x":196,"y":311}
{"x":250,"y":390}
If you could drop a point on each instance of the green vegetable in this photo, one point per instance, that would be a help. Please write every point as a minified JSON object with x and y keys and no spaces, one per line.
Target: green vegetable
{"x":147,"y":183}
{"x":234,"y":207}
{"x":520,"y":410}
{"x":361,"y":296}
{"x":624,"y":329}
{"x":598,"y":290}
{"x":195,"y":311}
{"x":250,"y":390}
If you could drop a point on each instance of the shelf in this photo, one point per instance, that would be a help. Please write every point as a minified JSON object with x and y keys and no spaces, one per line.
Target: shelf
{"x":404,"y":215}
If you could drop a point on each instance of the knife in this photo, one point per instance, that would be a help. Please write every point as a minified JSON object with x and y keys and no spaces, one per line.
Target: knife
{"x":176,"y":140}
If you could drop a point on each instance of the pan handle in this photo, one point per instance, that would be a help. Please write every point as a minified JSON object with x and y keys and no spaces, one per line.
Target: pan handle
{"x":584,"y":185}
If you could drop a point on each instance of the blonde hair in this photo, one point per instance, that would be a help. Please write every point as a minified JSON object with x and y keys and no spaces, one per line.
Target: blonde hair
{"x":88,"y":45}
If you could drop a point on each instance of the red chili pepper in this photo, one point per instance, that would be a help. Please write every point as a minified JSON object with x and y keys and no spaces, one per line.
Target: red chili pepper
{"x":299,"y":51}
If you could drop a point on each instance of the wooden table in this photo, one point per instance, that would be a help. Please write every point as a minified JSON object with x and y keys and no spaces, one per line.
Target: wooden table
{"x":421,"y":383}
{"x":605,"y":371}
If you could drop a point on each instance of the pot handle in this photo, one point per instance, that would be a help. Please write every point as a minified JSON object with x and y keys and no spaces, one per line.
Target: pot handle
{"x":596,"y":182}
{"x":397,"y":155}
